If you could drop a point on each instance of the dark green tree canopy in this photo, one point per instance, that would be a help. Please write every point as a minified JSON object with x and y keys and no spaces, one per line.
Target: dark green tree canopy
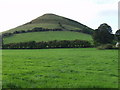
{"x":103,"y":34}
{"x":117,"y":34}
{"x":105,"y":27}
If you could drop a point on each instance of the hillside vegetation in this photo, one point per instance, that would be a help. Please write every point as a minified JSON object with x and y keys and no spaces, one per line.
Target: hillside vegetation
{"x":55,"y":27}
{"x":47,"y":36}
{"x":51,"y":21}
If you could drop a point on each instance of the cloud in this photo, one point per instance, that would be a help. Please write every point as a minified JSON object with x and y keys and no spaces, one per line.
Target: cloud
{"x":109,"y":13}
{"x":104,"y":1}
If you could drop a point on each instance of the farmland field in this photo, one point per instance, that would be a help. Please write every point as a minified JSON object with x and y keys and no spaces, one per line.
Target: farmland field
{"x":47,"y":36}
{"x":60,"y":68}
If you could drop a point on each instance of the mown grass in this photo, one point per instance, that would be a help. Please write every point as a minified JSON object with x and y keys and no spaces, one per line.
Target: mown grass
{"x":47,"y":36}
{"x":60,"y":68}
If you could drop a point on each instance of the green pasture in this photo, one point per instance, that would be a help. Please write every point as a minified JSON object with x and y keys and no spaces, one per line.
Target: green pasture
{"x":60,"y":68}
{"x":47,"y":36}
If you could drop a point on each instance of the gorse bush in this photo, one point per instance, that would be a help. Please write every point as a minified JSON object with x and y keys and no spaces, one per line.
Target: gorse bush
{"x":48,"y":44}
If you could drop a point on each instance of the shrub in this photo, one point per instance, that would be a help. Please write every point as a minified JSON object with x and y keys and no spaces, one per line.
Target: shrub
{"x":48,"y":44}
{"x":105,"y":46}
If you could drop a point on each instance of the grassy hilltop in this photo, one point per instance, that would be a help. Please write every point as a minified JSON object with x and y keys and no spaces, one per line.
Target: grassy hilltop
{"x":69,"y":29}
{"x":51,"y":21}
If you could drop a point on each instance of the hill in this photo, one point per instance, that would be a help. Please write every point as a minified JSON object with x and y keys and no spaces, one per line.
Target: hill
{"x":46,"y":28}
{"x":51,"y":21}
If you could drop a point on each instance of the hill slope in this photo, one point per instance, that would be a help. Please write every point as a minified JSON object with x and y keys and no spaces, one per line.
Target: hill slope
{"x":47,"y":36}
{"x":67,"y":29}
{"x":51,"y":21}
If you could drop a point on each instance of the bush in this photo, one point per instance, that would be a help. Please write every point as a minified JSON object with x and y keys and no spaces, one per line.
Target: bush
{"x":48,"y":44}
{"x":105,"y":46}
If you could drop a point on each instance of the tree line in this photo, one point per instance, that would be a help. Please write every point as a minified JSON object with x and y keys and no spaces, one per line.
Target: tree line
{"x":48,"y":44}
{"x":104,"y":35}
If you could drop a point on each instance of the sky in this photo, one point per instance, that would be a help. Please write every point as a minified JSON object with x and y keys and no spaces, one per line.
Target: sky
{"x":92,"y":13}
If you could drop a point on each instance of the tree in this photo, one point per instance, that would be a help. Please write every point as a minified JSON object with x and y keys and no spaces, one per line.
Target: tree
{"x":105,"y":27}
{"x":117,"y":37}
{"x":103,"y":35}
{"x":117,"y":34}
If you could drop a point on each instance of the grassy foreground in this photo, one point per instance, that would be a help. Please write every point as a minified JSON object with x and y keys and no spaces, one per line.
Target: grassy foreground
{"x":60,"y":68}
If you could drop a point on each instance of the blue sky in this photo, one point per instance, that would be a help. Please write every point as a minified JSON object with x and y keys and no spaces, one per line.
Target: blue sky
{"x":89,"y":12}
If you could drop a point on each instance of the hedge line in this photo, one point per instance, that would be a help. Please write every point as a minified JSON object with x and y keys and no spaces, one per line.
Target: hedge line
{"x":48,"y":44}
{"x":39,"y":29}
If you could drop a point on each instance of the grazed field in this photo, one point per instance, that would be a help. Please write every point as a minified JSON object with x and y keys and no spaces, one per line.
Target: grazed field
{"x":60,"y":68}
{"x":47,"y":36}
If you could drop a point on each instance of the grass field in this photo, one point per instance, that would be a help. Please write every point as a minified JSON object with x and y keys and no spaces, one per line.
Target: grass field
{"x":60,"y":68}
{"x":47,"y":36}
